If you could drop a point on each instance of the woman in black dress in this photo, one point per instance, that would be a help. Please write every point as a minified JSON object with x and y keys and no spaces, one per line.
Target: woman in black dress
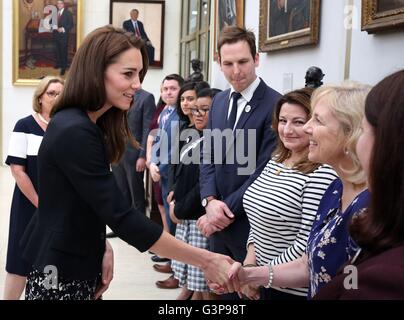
{"x":22,"y":159}
{"x":78,"y":195}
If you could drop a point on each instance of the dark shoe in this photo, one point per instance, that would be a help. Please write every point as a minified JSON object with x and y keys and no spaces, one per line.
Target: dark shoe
{"x":111,"y":235}
{"x":62,"y":72}
{"x":156,"y":258}
{"x":164,"y":268}
{"x":170,"y":283}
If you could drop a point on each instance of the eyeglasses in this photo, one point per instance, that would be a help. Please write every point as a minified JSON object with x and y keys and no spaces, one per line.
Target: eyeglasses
{"x":199,"y":111}
{"x":52,"y":94}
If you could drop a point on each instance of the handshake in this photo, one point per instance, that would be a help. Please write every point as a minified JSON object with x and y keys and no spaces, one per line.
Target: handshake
{"x":231,"y":277}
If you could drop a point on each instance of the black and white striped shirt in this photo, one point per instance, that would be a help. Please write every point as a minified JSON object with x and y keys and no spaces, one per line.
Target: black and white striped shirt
{"x":281,"y":205}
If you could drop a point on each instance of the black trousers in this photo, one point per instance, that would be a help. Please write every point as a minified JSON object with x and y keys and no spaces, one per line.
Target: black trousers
{"x":61,"y":49}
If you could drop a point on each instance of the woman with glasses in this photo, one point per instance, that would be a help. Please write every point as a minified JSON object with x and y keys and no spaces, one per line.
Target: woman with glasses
{"x":22,"y":159}
{"x":185,"y":206}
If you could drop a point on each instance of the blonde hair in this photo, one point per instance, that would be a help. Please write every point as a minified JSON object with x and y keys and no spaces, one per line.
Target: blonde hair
{"x":41,"y":89}
{"x":347,"y":104}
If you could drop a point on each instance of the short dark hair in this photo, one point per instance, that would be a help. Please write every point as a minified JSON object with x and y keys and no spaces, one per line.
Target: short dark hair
{"x":382,"y":226}
{"x":233,"y":34}
{"x":207,"y":92}
{"x":175,"y":77}
{"x":85,"y":84}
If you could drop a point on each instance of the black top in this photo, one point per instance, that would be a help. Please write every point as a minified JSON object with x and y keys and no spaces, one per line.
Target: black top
{"x":78,"y":195}
{"x":186,"y":178}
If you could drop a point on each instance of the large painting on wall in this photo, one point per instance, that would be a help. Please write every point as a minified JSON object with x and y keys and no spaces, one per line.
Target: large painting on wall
{"x":45,"y":38}
{"x":284,"y":24}
{"x":227,"y":13}
{"x":149,"y":25}
{"x":381,"y":15}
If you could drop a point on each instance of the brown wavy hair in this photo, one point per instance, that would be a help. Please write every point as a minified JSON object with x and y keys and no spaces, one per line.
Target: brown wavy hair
{"x":85,"y":88}
{"x":381,"y":227}
{"x":300,"y":97}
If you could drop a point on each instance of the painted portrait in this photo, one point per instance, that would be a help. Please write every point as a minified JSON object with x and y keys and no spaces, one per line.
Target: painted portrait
{"x":46,"y":34}
{"x":288,"y":23}
{"x":146,"y":20}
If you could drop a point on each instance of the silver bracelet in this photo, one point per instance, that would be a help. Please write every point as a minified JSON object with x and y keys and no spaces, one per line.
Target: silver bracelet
{"x":271,"y":276}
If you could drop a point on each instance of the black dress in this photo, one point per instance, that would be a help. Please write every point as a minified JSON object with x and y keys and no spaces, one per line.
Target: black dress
{"x":78,"y":196}
{"x":23,"y":150}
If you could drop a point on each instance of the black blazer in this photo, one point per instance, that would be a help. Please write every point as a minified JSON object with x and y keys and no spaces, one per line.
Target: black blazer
{"x":186,"y":186}
{"x":78,"y":195}
{"x":128,"y":26}
{"x":139,"y":117}
{"x":66,"y":21}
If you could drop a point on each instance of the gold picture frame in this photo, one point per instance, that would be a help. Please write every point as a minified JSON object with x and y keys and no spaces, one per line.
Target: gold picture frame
{"x":289,"y":24}
{"x":234,"y":16}
{"x":33,"y":41}
{"x":381,"y":16}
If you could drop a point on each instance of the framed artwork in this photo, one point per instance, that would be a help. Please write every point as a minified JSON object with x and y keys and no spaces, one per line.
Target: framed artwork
{"x":380,"y":15}
{"x":227,"y":13}
{"x":285,"y":24}
{"x":44,"y":42}
{"x":149,"y":17}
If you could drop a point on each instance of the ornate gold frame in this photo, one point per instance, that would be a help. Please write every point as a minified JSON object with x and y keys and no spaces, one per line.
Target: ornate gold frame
{"x":307,"y":36}
{"x":373,"y":21}
{"x":19,"y":80}
{"x":240,"y":22}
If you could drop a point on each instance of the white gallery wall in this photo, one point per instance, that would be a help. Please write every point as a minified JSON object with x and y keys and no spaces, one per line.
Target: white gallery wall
{"x":369,"y":58}
{"x":17,"y":100}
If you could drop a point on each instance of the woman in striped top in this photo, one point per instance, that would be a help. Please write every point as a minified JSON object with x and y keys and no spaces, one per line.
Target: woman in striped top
{"x":333,"y":130}
{"x":282,"y":202}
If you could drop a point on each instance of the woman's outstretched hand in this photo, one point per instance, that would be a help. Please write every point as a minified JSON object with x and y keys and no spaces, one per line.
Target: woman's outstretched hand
{"x":237,"y":276}
{"x":217,"y":272}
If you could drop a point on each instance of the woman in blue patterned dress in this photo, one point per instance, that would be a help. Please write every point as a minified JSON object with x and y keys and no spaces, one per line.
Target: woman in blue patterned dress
{"x":333,"y":129}
{"x":379,"y":267}
{"x":22,"y":159}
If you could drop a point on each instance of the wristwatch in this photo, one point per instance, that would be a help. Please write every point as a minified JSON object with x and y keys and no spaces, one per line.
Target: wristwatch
{"x":206,"y":200}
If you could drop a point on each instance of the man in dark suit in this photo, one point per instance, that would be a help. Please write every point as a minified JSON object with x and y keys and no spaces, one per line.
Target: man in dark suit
{"x":129,"y":172}
{"x":61,"y":36}
{"x":136,"y":26}
{"x":243,"y":113}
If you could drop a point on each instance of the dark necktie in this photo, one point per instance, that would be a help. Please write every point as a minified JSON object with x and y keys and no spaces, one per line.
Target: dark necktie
{"x":137,"y":31}
{"x":233,"y":113}
{"x":165,"y":117}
